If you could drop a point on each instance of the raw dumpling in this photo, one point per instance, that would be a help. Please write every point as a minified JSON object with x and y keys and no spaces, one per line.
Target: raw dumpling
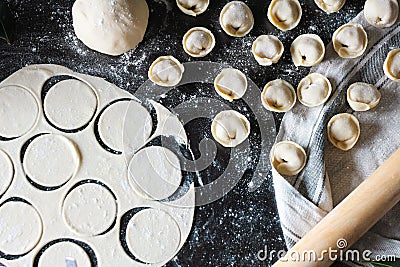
{"x":231,"y":84}
{"x":391,"y":66}
{"x":350,"y":40}
{"x":363,"y":96}
{"x":314,"y":89}
{"x":230,"y":128}
{"x":284,"y":14}
{"x":236,"y":19}
{"x":166,"y":71}
{"x":307,"y":50}
{"x":198,"y":42}
{"x":278,"y":95}
{"x":192,"y":7}
{"x":288,"y":158}
{"x":343,"y":131}
{"x":330,"y":6}
{"x":381,"y":13}
{"x":267,"y":49}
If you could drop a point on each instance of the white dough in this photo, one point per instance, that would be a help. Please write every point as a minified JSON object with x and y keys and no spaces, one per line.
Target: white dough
{"x":56,"y":254}
{"x":381,"y":13}
{"x":267,"y":49}
{"x":15,"y":121}
{"x":288,"y":158}
{"x":307,"y":50}
{"x":314,"y":90}
{"x":343,"y":131}
{"x":198,"y":42}
{"x":166,"y":71}
{"x":330,"y":6}
{"x":391,"y":66}
{"x":111,"y":27}
{"x":284,"y":14}
{"x":363,"y":96}
{"x":231,"y":84}
{"x":6,"y":172}
{"x":350,"y":40}
{"x":236,"y":19}
{"x":153,"y":236}
{"x":192,"y":7}
{"x":278,"y":96}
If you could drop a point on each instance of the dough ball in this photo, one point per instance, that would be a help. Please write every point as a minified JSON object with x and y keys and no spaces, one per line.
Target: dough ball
{"x":363,"y":96}
{"x":330,"y":6}
{"x":267,"y":49}
{"x":231,"y":84}
{"x":192,"y":7}
{"x":236,"y":19}
{"x":278,"y":95}
{"x":343,"y":131}
{"x":56,"y":255}
{"x":391,"y":66}
{"x":230,"y":128}
{"x":307,"y":50}
{"x":314,"y":90}
{"x":350,"y":40}
{"x":198,"y":42}
{"x":166,"y":71}
{"x":111,"y":27}
{"x":381,"y":13}
{"x":284,"y":14}
{"x":288,"y":158}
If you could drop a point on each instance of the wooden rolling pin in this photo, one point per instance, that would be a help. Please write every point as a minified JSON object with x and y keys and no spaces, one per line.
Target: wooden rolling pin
{"x":352,"y":218}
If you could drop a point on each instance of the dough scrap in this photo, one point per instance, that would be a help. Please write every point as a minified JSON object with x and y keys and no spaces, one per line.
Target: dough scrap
{"x":198,"y":42}
{"x":284,"y":14}
{"x":267,"y":49}
{"x":288,"y":158}
{"x":391,"y":66}
{"x":56,"y":254}
{"x":381,"y":13}
{"x":166,"y":71}
{"x":230,"y":128}
{"x":6,"y":172}
{"x":343,"y":131}
{"x":330,"y":6}
{"x":314,"y":90}
{"x":236,"y":19}
{"x":350,"y":40}
{"x":363,"y":96}
{"x":307,"y":50}
{"x":278,"y":96}
{"x":231,"y":84}
{"x":193,"y":7}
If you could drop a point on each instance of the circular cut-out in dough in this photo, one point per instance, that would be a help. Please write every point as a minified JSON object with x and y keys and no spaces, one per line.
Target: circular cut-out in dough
{"x":267,"y":49}
{"x":198,"y":42}
{"x":307,"y":50}
{"x":391,"y":67}
{"x":156,"y":172}
{"x":343,"y":131}
{"x":278,"y":95}
{"x":350,"y":40}
{"x":363,"y":96}
{"x":20,"y":227}
{"x":18,"y":113}
{"x":166,"y":71}
{"x":314,"y":90}
{"x":51,"y":160}
{"x":89,"y":209}
{"x":230,"y":128}
{"x":131,"y":115}
{"x":70,"y":104}
{"x":56,"y":254}
{"x":193,"y":7}
{"x":231,"y":84}
{"x":288,"y":158}
{"x":153,"y":236}
{"x":330,"y":6}
{"x":284,"y":14}
{"x":6,"y":172}
{"x":381,"y":13}
{"x":236,"y":19}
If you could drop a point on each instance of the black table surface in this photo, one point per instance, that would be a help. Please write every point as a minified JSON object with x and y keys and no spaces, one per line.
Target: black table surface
{"x":227,"y":232}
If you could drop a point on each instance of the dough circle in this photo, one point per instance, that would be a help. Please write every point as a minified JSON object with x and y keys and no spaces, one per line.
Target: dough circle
{"x":330,"y":6}
{"x":70,"y":104}
{"x":284,"y":14}
{"x":363,"y":96}
{"x":20,"y":227}
{"x":236,"y":19}
{"x":156,"y":172}
{"x":288,"y":158}
{"x":166,"y":71}
{"x":231,"y":84}
{"x":14,"y":120}
{"x":391,"y":66}
{"x":267,"y":49}
{"x":193,"y":7}
{"x":314,"y":90}
{"x":89,"y":209}
{"x":153,"y":236}
{"x":278,"y":96}
{"x":350,"y":40}
{"x":111,"y":27}
{"x":6,"y":172}
{"x":343,"y":131}
{"x":381,"y":13}
{"x":56,"y":254}
{"x":307,"y":50}
{"x":51,"y":160}
{"x":198,"y":42}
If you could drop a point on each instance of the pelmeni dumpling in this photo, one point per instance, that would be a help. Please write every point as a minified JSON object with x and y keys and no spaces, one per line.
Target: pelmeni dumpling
{"x":330,"y":6}
{"x":350,"y":40}
{"x":288,"y":158}
{"x":230,"y":128}
{"x":381,"y":13}
{"x":198,"y":42}
{"x":284,"y":14}
{"x":307,"y":50}
{"x":166,"y":71}
{"x":231,"y":84}
{"x":314,"y":89}
{"x":236,"y":19}
{"x":343,"y":131}
{"x":267,"y":49}
{"x":192,"y":7}
{"x":363,"y":96}
{"x":278,"y":95}
{"x":391,"y":66}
